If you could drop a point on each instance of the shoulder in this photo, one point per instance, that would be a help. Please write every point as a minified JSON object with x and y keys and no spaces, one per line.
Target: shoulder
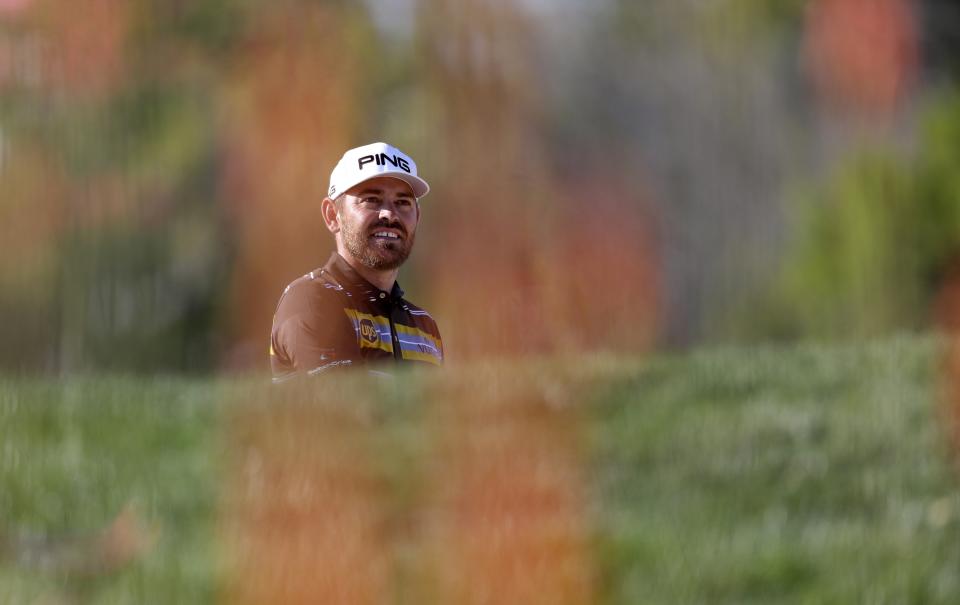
{"x":312,"y":292}
{"x":421,"y":315}
{"x":310,"y":328}
{"x":416,"y":309}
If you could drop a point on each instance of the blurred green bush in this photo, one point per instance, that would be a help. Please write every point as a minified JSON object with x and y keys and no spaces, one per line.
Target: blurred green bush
{"x":874,"y":244}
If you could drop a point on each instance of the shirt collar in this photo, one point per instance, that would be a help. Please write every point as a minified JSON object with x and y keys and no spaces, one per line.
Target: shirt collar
{"x":342,"y":269}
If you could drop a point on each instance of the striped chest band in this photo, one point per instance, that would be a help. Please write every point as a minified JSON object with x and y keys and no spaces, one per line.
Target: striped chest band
{"x":373,"y":332}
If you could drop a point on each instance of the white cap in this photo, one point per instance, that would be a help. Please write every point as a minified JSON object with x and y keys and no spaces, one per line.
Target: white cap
{"x":370,"y":161}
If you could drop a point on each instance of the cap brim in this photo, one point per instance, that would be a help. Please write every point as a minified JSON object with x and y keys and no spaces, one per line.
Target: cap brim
{"x":419,"y":186}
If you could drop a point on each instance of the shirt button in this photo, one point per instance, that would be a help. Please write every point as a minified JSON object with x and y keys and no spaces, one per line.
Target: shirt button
{"x":383,"y":295}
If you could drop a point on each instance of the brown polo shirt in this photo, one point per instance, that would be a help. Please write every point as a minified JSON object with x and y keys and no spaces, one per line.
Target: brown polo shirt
{"x":332,"y":317}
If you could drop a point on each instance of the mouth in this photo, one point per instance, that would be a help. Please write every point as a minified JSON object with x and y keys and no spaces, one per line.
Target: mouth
{"x":389,"y":235}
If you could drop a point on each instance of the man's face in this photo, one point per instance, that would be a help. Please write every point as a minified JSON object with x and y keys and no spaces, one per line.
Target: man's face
{"x":378,"y":222}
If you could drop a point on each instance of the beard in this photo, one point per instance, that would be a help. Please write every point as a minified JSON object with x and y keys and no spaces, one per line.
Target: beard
{"x":376,"y":253}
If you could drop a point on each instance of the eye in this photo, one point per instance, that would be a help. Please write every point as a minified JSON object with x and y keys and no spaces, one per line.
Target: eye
{"x":404,"y":202}
{"x":370,"y":200}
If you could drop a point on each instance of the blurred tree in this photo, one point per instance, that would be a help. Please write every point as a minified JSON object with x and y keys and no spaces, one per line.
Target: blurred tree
{"x":159,"y":157}
{"x":875,"y":244}
{"x":700,"y":109}
{"x":941,"y":39}
{"x":111,"y":98}
{"x":515,"y":261}
{"x":295,"y":96}
{"x":862,"y":54}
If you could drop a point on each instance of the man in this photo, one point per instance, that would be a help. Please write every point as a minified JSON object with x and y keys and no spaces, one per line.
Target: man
{"x":351,"y":311}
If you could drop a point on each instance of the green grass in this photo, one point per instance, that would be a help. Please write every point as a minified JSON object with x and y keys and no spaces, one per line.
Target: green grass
{"x":76,"y":452}
{"x":811,"y":474}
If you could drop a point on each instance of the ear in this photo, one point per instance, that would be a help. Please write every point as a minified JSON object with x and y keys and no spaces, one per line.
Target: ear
{"x":329,"y":210}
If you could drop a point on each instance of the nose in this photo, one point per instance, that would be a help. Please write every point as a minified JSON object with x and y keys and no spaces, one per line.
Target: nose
{"x":388,"y":211}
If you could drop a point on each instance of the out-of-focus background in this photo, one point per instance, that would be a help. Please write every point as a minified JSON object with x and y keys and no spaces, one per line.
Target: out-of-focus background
{"x":731,"y":170}
{"x":734,"y":223}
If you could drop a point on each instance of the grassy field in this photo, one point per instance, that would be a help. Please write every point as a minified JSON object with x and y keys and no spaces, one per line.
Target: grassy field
{"x":811,"y":474}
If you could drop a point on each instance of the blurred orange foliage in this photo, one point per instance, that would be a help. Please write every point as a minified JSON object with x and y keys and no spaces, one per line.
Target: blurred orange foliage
{"x":508,"y":519}
{"x":531,"y":261}
{"x":947,"y":315}
{"x":82,"y":44}
{"x":288,"y":114}
{"x":303,"y":509}
{"x":863,"y":54}
{"x":491,"y":509}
